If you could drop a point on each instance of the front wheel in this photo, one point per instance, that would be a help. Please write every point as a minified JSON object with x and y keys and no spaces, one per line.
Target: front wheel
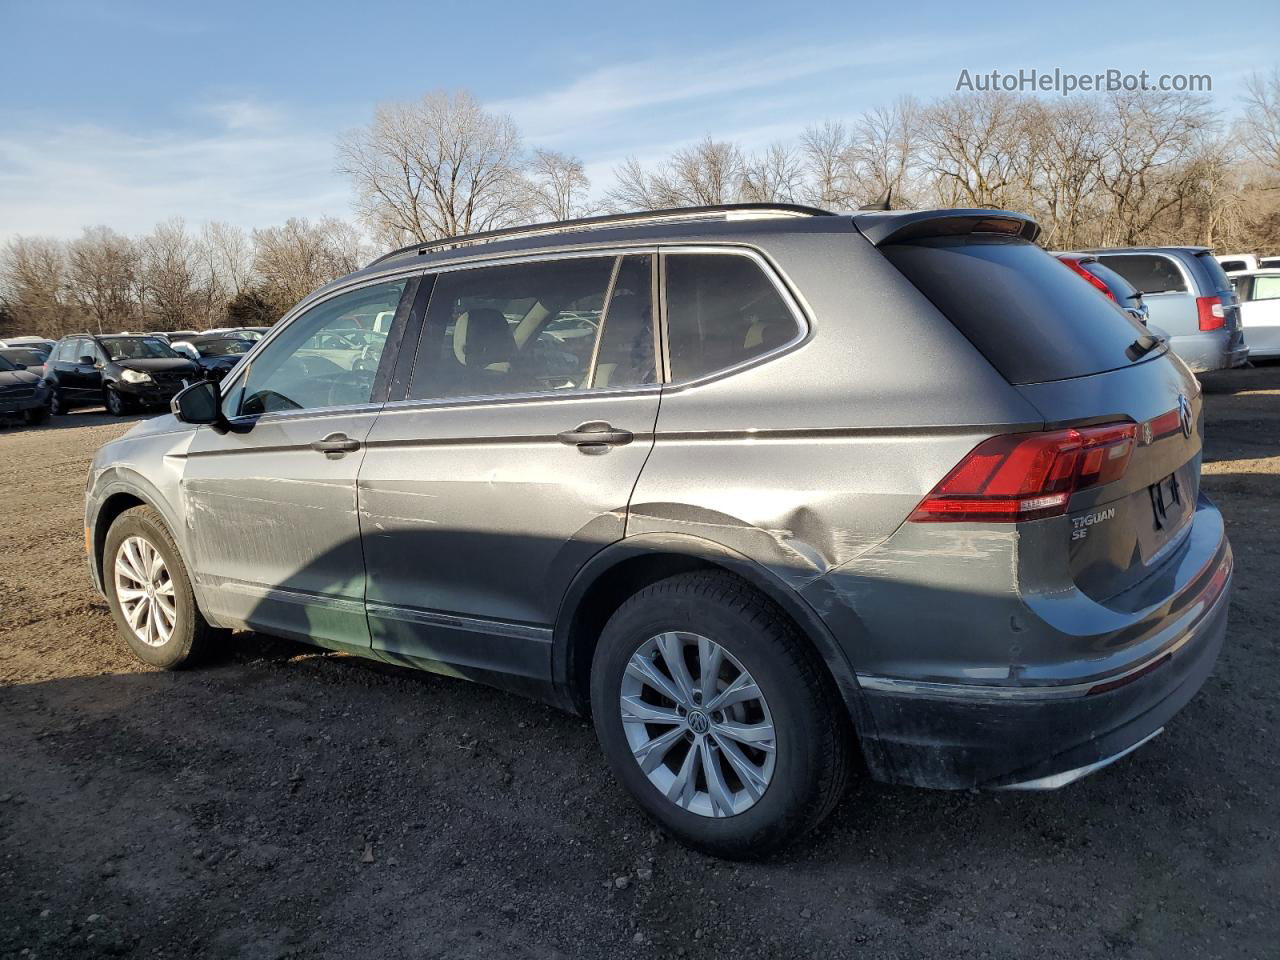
{"x":149,"y":591}
{"x":116,"y":404}
{"x":718,"y":717}
{"x":57,"y":405}
{"x":37,"y":416}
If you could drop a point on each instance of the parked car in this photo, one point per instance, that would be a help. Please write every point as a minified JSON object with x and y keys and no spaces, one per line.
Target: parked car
{"x":215,"y":354}
{"x":1190,"y":297}
{"x":1109,"y":283}
{"x":23,"y":393}
{"x":30,"y":358}
{"x":1236,"y":262}
{"x":889,"y":481}
{"x":124,"y":373}
{"x":174,"y":335}
{"x":245,"y":333}
{"x":38,"y":343}
{"x":1259,"y":292}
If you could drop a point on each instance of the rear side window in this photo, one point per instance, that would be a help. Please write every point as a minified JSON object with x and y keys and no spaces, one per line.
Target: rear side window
{"x":1266,"y":288}
{"x":555,"y":325}
{"x":721,"y":311}
{"x":1149,"y":272}
{"x":1033,"y":320}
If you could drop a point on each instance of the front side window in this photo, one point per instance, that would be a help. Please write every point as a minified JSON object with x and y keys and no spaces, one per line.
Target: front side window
{"x":721,"y":311}
{"x":328,"y":356}
{"x":552,"y":325}
{"x":1149,"y":272}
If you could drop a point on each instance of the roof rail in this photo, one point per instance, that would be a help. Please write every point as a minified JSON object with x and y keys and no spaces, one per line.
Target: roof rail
{"x":728,"y":211}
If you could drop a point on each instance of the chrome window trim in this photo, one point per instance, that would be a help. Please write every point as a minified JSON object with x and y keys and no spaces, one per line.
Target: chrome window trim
{"x":800,"y":312}
{"x":239,"y":371}
{"x":578,"y":393}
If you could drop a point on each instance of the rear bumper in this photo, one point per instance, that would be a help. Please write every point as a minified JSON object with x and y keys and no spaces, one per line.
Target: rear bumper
{"x":950,"y":735}
{"x":1206,"y":352}
{"x":15,"y":407}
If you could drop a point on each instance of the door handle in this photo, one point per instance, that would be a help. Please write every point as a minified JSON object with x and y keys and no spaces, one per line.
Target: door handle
{"x":595,"y":435}
{"x":336,"y":445}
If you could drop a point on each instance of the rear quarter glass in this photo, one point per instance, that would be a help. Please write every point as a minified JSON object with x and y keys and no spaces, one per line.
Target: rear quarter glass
{"x":1032,"y":319}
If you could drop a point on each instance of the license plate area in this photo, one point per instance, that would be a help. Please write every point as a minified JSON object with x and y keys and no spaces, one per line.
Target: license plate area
{"x":1168,"y":503}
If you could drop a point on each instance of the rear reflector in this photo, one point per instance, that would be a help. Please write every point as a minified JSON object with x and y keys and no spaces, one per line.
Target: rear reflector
{"x":1213,"y":316}
{"x":1026,"y":476}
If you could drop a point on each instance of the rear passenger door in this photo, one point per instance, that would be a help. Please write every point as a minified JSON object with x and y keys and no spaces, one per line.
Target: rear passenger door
{"x":510,"y":459}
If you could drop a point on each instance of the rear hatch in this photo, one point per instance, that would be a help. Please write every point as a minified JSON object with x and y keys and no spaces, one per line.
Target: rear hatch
{"x":1122,"y":506}
{"x":1217,"y":283}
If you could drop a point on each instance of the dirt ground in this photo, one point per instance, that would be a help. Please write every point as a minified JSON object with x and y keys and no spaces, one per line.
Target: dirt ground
{"x":289,"y":803}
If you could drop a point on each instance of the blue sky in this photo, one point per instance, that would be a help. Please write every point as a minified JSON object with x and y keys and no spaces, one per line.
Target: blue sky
{"x":126,"y":113}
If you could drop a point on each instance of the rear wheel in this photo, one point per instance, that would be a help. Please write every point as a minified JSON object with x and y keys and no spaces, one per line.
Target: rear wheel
{"x":718,"y":717}
{"x":149,"y":591}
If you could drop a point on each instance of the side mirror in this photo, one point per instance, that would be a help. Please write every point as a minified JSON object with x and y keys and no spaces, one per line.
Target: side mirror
{"x":200,"y":403}
{"x":87,"y":361}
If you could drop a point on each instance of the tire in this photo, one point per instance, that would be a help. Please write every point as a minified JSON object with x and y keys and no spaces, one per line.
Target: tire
{"x":117,"y":404}
{"x":191,"y":636}
{"x":57,"y":405}
{"x":37,"y":416}
{"x":798,"y":705}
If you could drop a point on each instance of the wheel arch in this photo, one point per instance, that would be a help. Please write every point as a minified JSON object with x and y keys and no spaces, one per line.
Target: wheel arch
{"x":120,"y":491}
{"x":622,"y":568}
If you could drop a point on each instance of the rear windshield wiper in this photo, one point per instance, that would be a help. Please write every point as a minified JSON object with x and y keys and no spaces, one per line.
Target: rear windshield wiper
{"x":1142,"y":346}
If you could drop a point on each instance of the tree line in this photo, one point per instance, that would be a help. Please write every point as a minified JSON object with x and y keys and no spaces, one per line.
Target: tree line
{"x":1121,"y":169}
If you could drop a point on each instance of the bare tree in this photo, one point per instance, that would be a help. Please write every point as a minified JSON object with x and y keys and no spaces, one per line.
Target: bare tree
{"x":975,"y":149}
{"x":884,"y":152}
{"x":774,"y":176}
{"x":229,"y":250}
{"x":709,"y":172}
{"x":1149,"y":142}
{"x":295,"y":258}
{"x":558,"y":186}
{"x":33,"y":273}
{"x":103,"y":268}
{"x":826,"y":149}
{"x":635,"y":189}
{"x":171,"y":277}
{"x":1259,"y":127}
{"x":439,"y":167}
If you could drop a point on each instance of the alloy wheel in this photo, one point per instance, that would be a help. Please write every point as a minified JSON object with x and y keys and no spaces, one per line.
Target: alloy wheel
{"x":145,"y":591}
{"x":698,"y":724}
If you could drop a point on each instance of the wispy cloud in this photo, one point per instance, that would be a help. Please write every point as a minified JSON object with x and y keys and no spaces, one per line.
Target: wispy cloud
{"x":249,"y":169}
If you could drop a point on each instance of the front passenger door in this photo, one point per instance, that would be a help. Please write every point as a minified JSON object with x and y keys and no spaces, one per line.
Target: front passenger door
{"x":272,"y":501}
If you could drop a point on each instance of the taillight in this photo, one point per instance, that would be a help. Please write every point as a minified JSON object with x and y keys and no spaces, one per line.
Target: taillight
{"x":1213,"y":315}
{"x":1076,"y":266}
{"x":1026,"y":476}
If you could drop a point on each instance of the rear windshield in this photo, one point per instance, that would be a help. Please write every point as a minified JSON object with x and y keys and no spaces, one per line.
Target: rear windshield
{"x":1124,"y":290}
{"x":1032,"y":319}
{"x":1149,"y":272}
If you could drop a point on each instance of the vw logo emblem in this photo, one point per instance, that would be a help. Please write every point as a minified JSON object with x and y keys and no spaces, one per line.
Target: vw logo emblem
{"x":1185,"y":419}
{"x":698,"y":722}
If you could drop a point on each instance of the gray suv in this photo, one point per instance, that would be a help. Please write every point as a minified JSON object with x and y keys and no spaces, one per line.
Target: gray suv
{"x":1189,"y":297}
{"x":772,"y":494}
